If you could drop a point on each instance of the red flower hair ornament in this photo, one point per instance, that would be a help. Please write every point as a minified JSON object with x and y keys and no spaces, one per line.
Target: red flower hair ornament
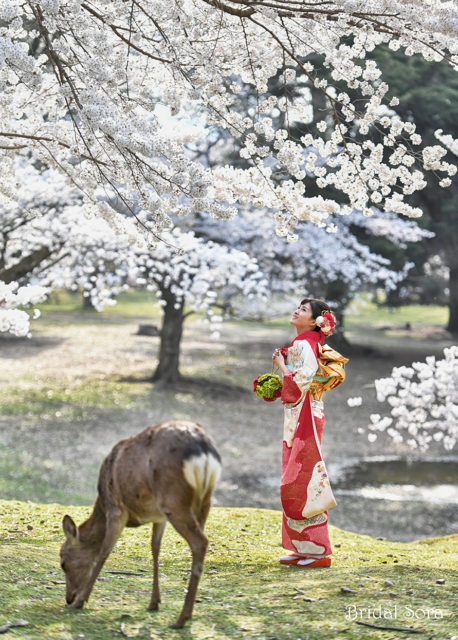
{"x":326,"y":322}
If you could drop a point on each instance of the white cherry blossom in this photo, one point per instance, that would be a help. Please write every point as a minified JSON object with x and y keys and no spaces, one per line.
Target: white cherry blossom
{"x":12,"y":319}
{"x":82,"y":85}
{"x":423,"y":400}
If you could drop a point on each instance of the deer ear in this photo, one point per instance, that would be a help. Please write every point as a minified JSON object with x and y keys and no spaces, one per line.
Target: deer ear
{"x":70,"y":529}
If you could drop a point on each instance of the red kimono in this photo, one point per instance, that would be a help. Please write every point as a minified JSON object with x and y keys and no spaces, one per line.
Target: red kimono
{"x":305,"y":490}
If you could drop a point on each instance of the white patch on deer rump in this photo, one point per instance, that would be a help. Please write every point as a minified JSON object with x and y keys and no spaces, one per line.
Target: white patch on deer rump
{"x":202,"y":472}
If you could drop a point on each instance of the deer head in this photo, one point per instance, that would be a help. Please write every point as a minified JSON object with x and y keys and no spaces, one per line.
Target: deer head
{"x":77,"y":560}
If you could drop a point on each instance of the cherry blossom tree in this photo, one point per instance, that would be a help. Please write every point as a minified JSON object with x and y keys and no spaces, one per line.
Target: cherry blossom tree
{"x":330,"y":262}
{"x":48,"y":237}
{"x":423,"y":400}
{"x":188,"y":281}
{"x":80,"y":82}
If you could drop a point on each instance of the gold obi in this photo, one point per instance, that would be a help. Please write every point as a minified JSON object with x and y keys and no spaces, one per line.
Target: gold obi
{"x":330,"y":372}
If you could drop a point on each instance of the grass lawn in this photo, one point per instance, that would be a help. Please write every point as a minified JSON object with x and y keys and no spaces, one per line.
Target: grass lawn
{"x":363,"y":313}
{"x":132,"y":303}
{"x":244,"y":592}
{"x":370,"y":315}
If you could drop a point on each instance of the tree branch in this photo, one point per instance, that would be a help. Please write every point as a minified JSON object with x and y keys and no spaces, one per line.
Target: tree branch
{"x":241,"y":13}
{"x":401,"y":629}
{"x":8,"y":134}
{"x":25,"y":266}
{"x":116,"y":30}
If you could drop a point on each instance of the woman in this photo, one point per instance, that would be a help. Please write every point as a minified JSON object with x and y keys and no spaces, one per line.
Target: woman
{"x":305,"y":491}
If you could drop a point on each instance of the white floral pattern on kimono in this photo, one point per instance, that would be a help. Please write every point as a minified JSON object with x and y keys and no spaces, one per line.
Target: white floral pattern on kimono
{"x":317,"y":408}
{"x":302,"y":362}
{"x":318,"y":492}
{"x":300,"y":525}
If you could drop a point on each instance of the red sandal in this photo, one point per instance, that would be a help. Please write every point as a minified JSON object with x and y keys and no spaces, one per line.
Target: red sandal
{"x":304,"y":562}
{"x":292,"y":559}
{"x":319,"y":562}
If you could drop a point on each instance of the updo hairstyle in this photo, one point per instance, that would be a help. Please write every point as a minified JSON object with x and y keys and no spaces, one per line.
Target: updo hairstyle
{"x":318,"y":308}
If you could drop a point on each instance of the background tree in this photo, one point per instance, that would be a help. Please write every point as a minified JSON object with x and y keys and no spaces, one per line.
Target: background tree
{"x":428,"y":99}
{"x":333,"y":265}
{"x":49,"y":236}
{"x":194,"y":279}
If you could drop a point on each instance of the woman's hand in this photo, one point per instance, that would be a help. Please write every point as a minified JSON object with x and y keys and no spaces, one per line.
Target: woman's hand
{"x":279,"y":360}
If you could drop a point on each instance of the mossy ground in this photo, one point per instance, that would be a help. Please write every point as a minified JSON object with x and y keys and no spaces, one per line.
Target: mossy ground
{"x":244,"y":592}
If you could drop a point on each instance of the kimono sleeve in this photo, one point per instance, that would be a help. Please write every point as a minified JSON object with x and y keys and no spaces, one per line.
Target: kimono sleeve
{"x":304,"y":365}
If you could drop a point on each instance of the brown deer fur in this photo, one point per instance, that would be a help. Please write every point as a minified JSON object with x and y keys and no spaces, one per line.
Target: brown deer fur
{"x":165,"y":473}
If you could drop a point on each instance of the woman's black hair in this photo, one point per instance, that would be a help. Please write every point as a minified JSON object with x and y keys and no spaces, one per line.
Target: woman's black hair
{"x":318,"y":308}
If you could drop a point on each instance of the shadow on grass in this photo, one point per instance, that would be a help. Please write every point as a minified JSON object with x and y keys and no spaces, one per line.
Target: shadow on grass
{"x":194,"y":385}
{"x":15,"y":347}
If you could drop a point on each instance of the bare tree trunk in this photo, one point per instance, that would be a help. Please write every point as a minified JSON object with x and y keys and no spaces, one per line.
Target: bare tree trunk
{"x":167,"y":373}
{"x":452,"y":325}
{"x":87,"y":303}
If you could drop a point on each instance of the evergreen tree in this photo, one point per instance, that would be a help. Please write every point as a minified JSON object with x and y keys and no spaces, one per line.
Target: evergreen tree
{"x":428,"y":95}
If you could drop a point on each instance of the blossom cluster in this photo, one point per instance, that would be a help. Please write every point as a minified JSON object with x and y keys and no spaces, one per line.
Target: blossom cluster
{"x":17,"y":321}
{"x":448,"y":141}
{"x":323,"y":257}
{"x":80,"y":85}
{"x":423,"y":400}
{"x":64,"y":239}
{"x":200,"y":274}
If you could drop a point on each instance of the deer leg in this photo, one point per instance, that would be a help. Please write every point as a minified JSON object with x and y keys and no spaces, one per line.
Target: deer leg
{"x":204,"y":510}
{"x":114,"y":525}
{"x":156,"y":538}
{"x":187,"y":526}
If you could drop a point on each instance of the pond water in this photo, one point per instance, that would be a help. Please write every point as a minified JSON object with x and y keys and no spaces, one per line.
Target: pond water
{"x":397,"y":498}
{"x":438,"y":494}
{"x":379,"y":470}
{"x":390,"y":497}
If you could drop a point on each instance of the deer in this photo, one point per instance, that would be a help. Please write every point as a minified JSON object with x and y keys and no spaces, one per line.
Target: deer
{"x":166,"y":473}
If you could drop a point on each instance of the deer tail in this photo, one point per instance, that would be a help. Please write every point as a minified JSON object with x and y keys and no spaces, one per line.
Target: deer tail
{"x":202,"y":472}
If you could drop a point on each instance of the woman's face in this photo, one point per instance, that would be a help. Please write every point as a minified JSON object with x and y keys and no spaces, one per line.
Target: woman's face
{"x":303,"y":319}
